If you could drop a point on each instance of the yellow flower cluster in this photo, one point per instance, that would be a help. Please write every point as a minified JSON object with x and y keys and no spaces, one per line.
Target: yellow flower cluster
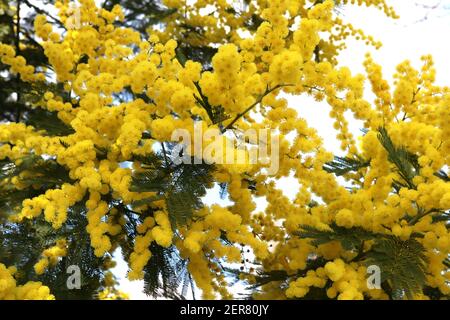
{"x":162,"y":232}
{"x":96,"y":227}
{"x":108,"y":294}
{"x":300,"y":287}
{"x":222,"y":219}
{"x":51,"y":256}
{"x":54,"y":203}
{"x":349,"y":282}
{"x":29,"y":291}
{"x":158,"y":229}
{"x":18,"y":64}
{"x":109,"y":291}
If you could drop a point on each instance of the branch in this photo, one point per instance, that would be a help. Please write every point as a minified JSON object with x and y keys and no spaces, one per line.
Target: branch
{"x":240,"y":115}
{"x":203,"y":102}
{"x":420,"y":216}
{"x":42,"y":11}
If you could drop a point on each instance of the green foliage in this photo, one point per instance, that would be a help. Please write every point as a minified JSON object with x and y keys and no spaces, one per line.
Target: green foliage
{"x":442,"y":175}
{"x":11,"y":200}
{"x":150,"y":181}
{"x":21,"y":247}
{"x":442,"y":217}
{"x":434,"y":293}
{"x":181,"y":185}
{"x":141,"y":15}
{"x":282,"y":279}
{"x":35,"y":173}
{"x":81,"y":254}
{"x":23,"y":243}
{"x":254,"y":22}
{"x":181,"y":205}
{"x":343,"y":165}
{"x":166,"y":274}
{"x":202,"y":55}
{"x":13,"y":89}
{"x":405,"y":162}
{"x":350,"y":239}
{"x":402,"y":264}
{"x":43,"y":172}
{"x":49,"y":122}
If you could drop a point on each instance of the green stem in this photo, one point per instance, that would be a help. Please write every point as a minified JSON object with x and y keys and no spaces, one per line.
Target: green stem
{"x":203,"y":102}
{"x":420,"y":216}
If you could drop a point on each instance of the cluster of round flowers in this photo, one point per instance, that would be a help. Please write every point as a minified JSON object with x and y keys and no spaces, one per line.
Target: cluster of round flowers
{"x":50,"y":256}
{"x":29,"y":291}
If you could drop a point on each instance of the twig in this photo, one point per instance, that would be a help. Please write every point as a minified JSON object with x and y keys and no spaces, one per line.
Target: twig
{"x":240,"y":115}
{"x":420,"y":216}
{"x":164,"y":153}
{"x":42,"y":11}
{"x":203,"y":102}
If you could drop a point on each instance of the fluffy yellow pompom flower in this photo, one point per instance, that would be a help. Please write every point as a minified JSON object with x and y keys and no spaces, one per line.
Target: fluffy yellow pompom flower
{"x":222,"y":219}
{"x":162,"y":233}
{"x":345,"y":218}
{"x":335,"y":270}
{"x":50,"y":256}
{"x":162,"y":129}
{"x":29,"y":291}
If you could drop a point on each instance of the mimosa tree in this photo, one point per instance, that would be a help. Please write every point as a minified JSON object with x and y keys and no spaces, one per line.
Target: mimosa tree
{"x":94,"y":102}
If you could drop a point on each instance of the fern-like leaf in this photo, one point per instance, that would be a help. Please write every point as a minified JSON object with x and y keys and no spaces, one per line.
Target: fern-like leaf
{"x":402,"y":264}
{"x":350,"y":239}
{"x":405,"y":162}
{"x":150,"y":181}
{"x":181,"y":185}
{"x":162,"y":273}
{"x":343,"y":165}
{"x":45,"y":120}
